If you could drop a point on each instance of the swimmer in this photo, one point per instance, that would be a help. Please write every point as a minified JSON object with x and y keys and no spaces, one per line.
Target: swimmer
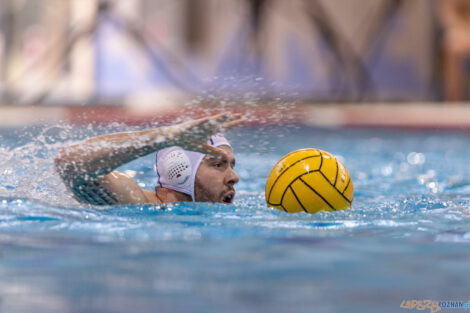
{"x":193,"y":164}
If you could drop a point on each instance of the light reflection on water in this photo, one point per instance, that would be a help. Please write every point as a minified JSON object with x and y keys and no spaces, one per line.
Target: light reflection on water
{"x":406,"y":237}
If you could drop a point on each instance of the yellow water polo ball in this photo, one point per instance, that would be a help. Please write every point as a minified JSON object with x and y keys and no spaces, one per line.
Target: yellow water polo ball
{"x":309,"y":180}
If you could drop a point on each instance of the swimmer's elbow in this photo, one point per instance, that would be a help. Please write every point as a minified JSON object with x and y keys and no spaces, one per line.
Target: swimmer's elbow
{"x":64,"y":165}
{"x":60,"y":160}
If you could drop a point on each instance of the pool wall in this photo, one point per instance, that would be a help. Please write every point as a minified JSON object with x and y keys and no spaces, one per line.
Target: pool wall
{"x":396,"y":115}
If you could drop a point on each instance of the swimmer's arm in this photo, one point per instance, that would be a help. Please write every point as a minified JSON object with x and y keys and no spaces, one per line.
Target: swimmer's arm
{"x":100,"y":155}
{"x":87,"y":168}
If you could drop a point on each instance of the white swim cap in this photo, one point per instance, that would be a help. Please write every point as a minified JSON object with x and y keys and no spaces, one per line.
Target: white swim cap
{"x":176,"y":167}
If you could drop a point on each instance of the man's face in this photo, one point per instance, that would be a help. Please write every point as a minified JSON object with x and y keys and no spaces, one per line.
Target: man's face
{"x":215,"y":178}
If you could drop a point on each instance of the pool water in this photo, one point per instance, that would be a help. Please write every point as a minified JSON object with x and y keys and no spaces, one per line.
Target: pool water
{"x":407,"y":236}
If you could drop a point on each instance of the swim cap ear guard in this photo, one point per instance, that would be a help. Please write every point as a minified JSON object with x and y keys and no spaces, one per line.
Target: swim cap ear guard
{"x":177,"y":168}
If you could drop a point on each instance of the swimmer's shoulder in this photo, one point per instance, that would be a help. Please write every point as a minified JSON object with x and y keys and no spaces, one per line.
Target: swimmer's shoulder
{"x":113,"y":188}
{"x":151,"y":196}
{"x":126,"y":190}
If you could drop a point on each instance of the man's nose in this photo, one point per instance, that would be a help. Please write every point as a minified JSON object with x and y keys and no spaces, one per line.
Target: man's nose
{"x":232,"y":177}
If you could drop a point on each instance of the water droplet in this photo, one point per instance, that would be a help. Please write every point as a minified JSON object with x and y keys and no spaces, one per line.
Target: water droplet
{"x":416,"y":158}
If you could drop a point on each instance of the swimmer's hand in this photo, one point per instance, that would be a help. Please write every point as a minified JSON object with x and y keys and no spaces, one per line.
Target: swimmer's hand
{"x":193,"y":135}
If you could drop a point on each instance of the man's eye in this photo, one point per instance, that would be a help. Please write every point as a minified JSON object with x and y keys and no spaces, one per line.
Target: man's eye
{"x":218,"y":164}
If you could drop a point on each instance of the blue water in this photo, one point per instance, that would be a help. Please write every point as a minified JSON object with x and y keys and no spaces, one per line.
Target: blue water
{"x":407,"y":236}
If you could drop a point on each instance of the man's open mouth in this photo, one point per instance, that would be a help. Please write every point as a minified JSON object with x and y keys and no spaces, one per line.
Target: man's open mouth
{"x":228,"y":198}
